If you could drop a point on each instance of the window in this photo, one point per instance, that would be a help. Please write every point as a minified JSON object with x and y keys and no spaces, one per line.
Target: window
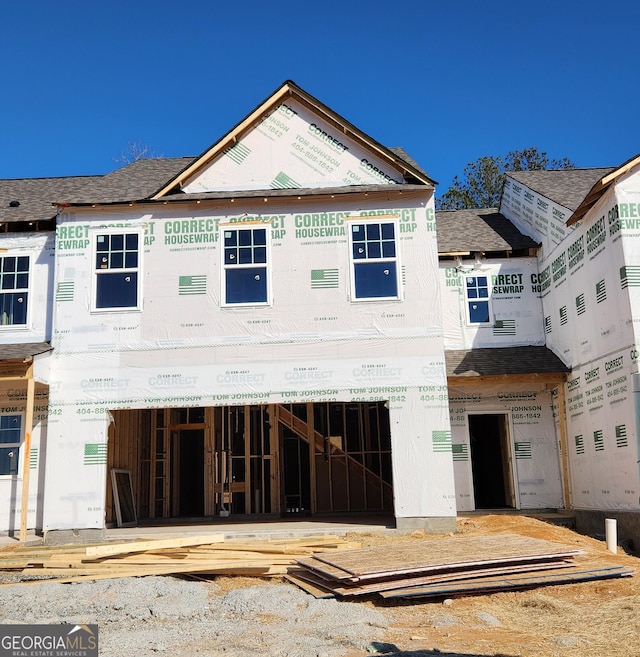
{"x":10,"y":435}
{"x":477,"y":294}
{"x":245,"y":266}
{"x":117,"y":265}
{"x":374,"y":261}
{"x":14,"y":290}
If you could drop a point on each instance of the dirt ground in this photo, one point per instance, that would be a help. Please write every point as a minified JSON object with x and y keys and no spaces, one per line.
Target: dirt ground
{"x":592,"y":619}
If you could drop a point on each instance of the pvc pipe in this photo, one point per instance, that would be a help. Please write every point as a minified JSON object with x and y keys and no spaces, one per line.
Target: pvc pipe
{"x":611,"y":534}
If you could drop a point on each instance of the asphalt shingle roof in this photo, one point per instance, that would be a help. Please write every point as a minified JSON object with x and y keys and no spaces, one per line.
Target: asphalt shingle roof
{"x":36,"y":196}
{"x":403,"y":155}
{"x":22,"y":351}
{"x":498,"y":361}
{"x":478,"y":230}
{"x":141,"y":179}
{"x":136,"y":181}
{"x":567,"y":187}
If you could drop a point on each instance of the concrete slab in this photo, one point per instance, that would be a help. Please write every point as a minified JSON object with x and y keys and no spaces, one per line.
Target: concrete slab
{"x":251,"y":529}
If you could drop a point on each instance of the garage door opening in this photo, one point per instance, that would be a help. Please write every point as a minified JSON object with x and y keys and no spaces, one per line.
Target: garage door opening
{"x":276,"y":459}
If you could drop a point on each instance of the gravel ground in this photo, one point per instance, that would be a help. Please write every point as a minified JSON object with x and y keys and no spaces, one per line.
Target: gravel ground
{"x":171,"y":616}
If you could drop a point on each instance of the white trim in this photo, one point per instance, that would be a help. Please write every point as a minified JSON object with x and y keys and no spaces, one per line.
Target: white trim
{"x":267,"y":265}
{"x":488,"y":299}
{"x":369,"y":220}
{"x":138,"y":270}
{"x":27,"y":326}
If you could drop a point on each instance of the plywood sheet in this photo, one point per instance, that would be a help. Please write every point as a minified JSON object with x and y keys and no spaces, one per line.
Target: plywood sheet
{"x":510,"y":583}
{"x":443,"y":554}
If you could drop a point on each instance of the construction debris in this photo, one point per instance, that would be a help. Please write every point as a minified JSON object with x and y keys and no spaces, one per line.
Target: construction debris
{"x":201,"y":555}
{"x":446,"y":567}
{"x":325,"y":566}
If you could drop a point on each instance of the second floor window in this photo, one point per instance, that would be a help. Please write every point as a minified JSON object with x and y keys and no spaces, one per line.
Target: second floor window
{"x":374,"y":261}
{"x":245,"y":267}
{"x":117,"y":263}
{"x":477,"y":293}
{"x":14,"y":290}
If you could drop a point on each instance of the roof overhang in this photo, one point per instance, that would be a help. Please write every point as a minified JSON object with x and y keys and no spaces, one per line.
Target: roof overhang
{"x":507,"y":365}
{"x":507,"y":379}
{"x":16,"y":360}
{"x":599,"y":189}
{"x":265,"y":195}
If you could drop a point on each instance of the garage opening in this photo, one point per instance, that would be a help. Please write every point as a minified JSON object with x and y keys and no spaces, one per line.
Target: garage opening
{"x":276,"y":459}
{"x":491,"y":461}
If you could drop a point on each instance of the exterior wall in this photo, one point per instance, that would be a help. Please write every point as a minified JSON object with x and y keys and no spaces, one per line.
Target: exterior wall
{"x":13,"y":400}
{"x":13,"y":394}
{"x":587,"y":286}
{"x":535,"y":215}
{"x":312,"y":343}
{"x":40,"y":248}
{"x":532,"y":437}
{"x":515,"y":306}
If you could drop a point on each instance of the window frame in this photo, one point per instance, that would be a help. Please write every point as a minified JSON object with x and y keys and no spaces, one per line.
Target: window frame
{"x":227,"y":266}
{"x":468,"y":300}
{"x":17,"y":290}
{"x":137,"y":269}
{"x":374,"y":260}
{"x":17,"y":445}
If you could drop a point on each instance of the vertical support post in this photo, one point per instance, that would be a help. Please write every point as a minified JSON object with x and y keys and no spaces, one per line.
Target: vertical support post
{"x":635,"y":388}
{"x":611,"y":534}
{"x":311,"y":439}
{"x":564,"y":455}
{"x":26,"y":455}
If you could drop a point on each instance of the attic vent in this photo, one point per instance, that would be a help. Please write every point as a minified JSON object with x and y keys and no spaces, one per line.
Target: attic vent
{"x":14,"y":204}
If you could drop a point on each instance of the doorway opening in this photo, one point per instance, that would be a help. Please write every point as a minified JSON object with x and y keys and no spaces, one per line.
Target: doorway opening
{"x":491,"y":462}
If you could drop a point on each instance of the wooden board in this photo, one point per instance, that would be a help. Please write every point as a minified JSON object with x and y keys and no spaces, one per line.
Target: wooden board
{"x":207,"y":554}
{"x":509,"y":583}
{"x":109,"y":549}
{"x":324,"y":569}
{"x":339,"y":588}
{"x":316,"y":590}
{"x":442,"y":554}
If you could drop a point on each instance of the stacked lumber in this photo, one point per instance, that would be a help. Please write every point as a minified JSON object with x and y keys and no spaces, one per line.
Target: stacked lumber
{"x":447,"y":567}
{"x":194,"y":555}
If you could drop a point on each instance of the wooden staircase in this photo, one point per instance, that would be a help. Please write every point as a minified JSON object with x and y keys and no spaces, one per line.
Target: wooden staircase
{"x":322,"y":445}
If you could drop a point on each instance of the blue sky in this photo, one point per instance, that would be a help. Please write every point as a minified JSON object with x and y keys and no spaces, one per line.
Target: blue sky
{"x":448,"y":81}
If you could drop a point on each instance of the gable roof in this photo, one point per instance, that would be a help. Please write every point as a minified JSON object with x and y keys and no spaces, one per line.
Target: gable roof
{"x":466,"y":231}
{"x":498,"y":361}
{"x":567,"y":187}
{"x":288,"y":89}
{"x":35,"y":197}
{"x":600,"y":187}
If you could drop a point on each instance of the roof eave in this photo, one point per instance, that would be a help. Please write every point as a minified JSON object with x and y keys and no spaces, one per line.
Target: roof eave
{"x":598,"y":190}
{"x":234,"y":195}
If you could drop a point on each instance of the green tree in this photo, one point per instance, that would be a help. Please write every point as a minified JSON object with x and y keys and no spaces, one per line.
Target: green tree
{"x":481,"y":184}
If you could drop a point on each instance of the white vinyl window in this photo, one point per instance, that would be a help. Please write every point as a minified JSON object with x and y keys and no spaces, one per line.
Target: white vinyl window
{"x":14,"y":290}
{"x":10,"y":437}
{"x":117,"y":268}
{"x":245,"y":266}
{"x":478,"y":295}
{"x":374,"y":260}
